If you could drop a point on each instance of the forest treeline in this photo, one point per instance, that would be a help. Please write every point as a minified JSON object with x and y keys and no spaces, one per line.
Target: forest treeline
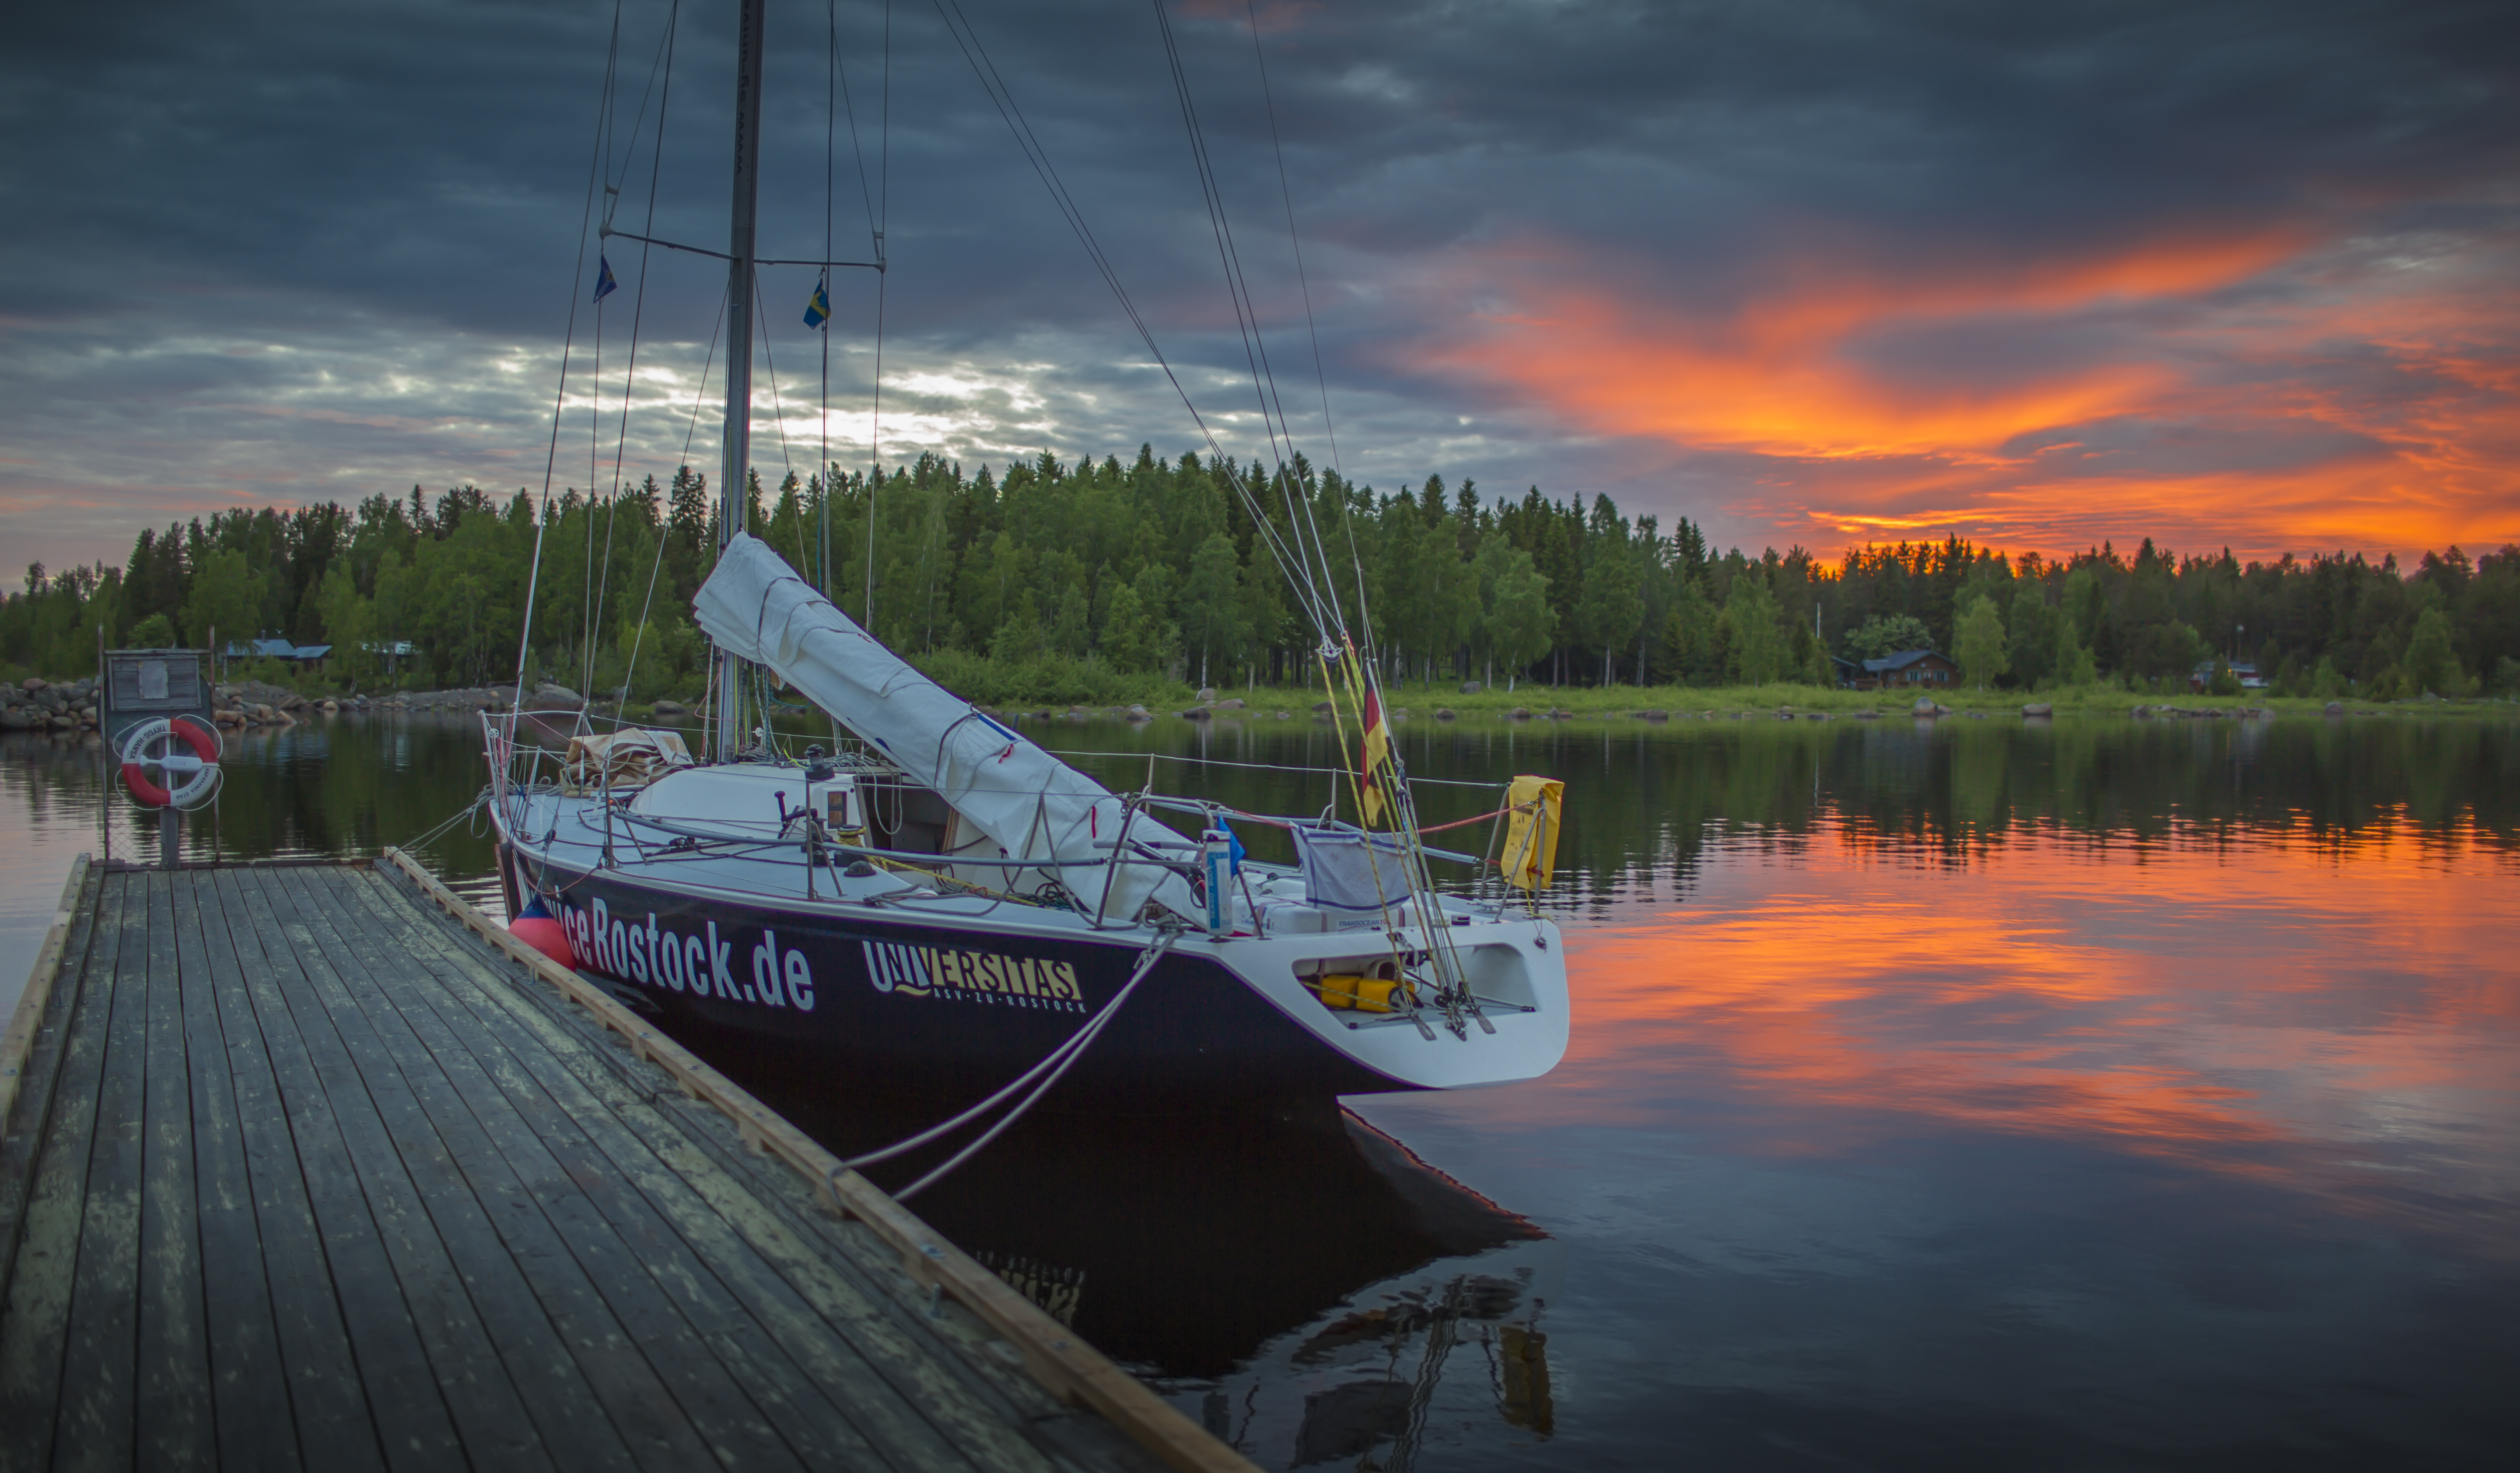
{"x":1057,"y":582}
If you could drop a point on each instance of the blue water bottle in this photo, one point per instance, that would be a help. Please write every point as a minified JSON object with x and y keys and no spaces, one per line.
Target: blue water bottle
{"x":1217,"y":849}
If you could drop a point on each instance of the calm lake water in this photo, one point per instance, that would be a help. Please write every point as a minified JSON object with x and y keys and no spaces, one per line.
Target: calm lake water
{"x":2102,"y":1094}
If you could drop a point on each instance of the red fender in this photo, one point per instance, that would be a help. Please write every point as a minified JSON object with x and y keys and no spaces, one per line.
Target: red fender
{"x":545,"y":935}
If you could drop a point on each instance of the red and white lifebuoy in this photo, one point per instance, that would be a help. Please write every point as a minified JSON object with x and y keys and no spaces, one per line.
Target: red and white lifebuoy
{"x":181,"y":748}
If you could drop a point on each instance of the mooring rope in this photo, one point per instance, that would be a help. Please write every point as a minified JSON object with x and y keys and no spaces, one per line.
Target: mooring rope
{"x":1056,"y":1063}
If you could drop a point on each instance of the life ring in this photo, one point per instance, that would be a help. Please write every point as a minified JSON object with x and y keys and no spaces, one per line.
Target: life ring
{"x":143,"y":746}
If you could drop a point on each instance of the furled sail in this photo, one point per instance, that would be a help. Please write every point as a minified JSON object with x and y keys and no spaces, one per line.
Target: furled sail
{"x":1030,"y":804}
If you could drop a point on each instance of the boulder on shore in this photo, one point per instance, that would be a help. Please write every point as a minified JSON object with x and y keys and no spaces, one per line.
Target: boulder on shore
{"x":552,"y":697}
{"x":2039,"y":708}
{"x":669,"y":708}
{"x":1442,"y":713}
{"x":1518,"y":713}
{"x":1231,"y":703}
{"x":1470,"y":687}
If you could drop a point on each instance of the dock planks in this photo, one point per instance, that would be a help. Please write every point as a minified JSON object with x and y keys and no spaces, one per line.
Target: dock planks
{"x":306,"y":1172}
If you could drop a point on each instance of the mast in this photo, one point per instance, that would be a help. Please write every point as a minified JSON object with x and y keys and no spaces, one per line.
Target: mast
{"x":737,"y":439}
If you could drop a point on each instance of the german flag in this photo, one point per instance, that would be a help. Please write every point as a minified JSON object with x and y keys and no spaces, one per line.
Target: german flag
{"x":1377,"y":757}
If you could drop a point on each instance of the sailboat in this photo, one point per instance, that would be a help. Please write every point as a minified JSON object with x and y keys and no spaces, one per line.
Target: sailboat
{"x":938,"y":898}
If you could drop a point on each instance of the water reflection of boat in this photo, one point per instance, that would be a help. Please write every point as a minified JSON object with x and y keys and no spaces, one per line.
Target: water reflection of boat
{"x":1184,"y":1243}
{"x":1450,"y":1345}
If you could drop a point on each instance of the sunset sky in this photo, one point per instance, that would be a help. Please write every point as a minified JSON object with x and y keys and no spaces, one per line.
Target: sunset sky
{"x":1815,"y":273}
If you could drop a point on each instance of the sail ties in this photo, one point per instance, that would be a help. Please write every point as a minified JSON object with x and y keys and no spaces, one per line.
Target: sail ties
{"x":1054,"y":1065}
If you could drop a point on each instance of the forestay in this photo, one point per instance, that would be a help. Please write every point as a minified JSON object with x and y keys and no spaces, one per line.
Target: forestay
{"x":1030,"y":804}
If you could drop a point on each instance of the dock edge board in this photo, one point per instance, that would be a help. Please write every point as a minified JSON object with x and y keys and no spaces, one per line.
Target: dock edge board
{"x":29,"y":1019}
{"x":1053,"y":1354}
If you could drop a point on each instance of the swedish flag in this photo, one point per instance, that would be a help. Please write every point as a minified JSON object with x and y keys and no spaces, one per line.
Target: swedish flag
{"x":818,"y":309}
{"x":604,"y":284}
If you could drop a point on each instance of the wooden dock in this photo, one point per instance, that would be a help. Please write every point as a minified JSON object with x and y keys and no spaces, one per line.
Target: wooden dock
{"x":311,"y":1167}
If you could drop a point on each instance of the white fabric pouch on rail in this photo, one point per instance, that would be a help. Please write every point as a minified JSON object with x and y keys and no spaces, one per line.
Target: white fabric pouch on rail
{"x":1345,"y":872}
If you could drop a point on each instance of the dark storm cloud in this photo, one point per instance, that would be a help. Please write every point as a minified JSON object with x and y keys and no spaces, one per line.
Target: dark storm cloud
{"x":271,"y":251}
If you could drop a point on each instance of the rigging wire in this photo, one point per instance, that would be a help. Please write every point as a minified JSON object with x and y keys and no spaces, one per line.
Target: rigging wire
{"x":691,"y":429}
{"x":586,"y":593}
{"x":1264,"y":382}
{"x":1363,"y":683}
{"x":660,"y":65}
{"x":658,"y":68}
{"x":1296,"y":566}
{"x":560,"y":396}
{"x":1237,"y":288}
{"x":1312,"y":331}
{"x":823,"y":392}
{"x":836,"y":85}
{"x":639,"y":298}
{"x":883,"y":280}
{"x":1002,"y":97}
{"x":1277,"y":149}
{"x":778,"y":407}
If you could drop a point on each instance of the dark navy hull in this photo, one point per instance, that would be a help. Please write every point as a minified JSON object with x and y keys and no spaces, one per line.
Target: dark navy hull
{"x":914,"y":1003}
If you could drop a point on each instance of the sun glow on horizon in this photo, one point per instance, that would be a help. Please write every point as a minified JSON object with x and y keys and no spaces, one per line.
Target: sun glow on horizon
{"x":2273,"y":391}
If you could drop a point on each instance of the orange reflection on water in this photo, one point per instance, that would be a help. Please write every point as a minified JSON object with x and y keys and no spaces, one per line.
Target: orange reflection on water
{"x":2231,"y":1003}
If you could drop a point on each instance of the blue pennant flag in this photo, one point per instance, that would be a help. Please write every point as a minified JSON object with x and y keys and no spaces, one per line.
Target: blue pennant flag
{"x":604,"y":284}
{"x":818,"y":309}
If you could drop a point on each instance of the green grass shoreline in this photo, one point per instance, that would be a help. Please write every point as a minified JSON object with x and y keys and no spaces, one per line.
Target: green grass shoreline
{"x":1690,"y":702}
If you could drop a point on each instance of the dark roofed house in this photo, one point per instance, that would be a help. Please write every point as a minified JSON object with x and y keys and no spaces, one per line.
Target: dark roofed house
{"x":296,"y":656}
{"x":1909,"y":667}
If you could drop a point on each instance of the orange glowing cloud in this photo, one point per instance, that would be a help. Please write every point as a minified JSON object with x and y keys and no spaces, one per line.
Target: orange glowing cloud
{"x":2201,"y":384}
{"x":1778,"y":375}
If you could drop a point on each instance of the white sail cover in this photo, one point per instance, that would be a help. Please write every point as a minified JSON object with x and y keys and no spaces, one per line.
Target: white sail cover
{"x":1031,"y":804}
